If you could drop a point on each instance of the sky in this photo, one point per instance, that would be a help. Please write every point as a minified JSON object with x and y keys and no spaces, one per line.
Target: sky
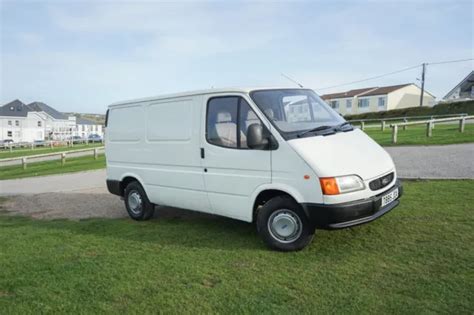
{"x":81,"y":56}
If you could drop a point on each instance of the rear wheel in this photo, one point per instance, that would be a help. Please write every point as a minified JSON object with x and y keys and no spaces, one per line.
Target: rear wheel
{"x":138,"y":206}
{"x":283,"y":225}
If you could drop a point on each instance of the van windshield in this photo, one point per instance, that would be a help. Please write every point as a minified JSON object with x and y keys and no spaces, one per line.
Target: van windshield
{"x":298,"y":112}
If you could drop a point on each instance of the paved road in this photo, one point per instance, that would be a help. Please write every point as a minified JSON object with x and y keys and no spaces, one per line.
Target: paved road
{"x":83,"y":182}
{"x":454,"y":161}
{"x":430,"y":162}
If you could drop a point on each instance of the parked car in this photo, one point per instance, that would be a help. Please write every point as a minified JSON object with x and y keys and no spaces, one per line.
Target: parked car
{"x":5,"y":143}
{"x":39,"y":143}
{"x":94,"y":138}
{"x":281,"y":158}
{"x":77,"y":139}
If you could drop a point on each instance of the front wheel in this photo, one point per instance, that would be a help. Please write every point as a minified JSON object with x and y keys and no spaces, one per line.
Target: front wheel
{"x":136,"y":201}
{"x":283,"y":225}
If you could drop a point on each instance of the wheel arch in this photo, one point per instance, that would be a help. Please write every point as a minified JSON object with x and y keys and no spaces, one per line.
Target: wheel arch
{"x":265,"y":193}
{"x":127,"y":179}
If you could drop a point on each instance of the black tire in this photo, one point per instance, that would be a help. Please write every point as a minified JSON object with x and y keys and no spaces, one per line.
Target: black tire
{"x":288,"y":211}
{"x":140,"y":209}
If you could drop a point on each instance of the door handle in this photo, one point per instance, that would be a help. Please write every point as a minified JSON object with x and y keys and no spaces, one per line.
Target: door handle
{"x":202,"y":153}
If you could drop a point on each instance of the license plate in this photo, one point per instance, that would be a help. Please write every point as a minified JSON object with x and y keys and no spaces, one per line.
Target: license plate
{"x":390,"y":197}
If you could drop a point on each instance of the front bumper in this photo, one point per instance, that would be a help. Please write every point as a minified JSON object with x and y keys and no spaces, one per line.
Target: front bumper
{"x":343,"y":215}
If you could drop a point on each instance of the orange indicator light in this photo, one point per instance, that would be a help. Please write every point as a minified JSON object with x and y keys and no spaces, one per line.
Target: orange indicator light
{"x":329,"y":186}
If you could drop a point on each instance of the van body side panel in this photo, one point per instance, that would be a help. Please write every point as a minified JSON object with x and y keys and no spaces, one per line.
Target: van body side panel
{"x":123,"y":139}
{"x":167,"y":156}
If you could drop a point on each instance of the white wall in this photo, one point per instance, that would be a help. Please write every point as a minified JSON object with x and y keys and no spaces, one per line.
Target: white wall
{"x":22,"y":129}
{"x":409,"y":96}
{"x":84,"y":131}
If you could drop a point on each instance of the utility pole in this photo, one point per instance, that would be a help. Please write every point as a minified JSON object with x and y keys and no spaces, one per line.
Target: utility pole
{"x":422,"y":83}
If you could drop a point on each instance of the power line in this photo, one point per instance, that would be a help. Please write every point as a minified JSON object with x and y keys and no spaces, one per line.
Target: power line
{"x":395,"y":72}
{"x":449,"y":61}
{"x":371,"y":78}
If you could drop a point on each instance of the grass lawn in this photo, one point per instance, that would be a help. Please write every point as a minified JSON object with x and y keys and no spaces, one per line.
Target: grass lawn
{"x":417,"y":259}
{"x":416,"y":135}
{"x":53,"y":167}
{"x":5,"y":153}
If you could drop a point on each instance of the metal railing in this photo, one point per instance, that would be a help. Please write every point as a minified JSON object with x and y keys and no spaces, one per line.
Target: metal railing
{"x":405,"y":119}
{"x":46,"y":157}
{"x":429,"y":125}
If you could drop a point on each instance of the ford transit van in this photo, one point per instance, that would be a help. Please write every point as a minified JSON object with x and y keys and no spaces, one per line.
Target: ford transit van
{"x":279,"y":157}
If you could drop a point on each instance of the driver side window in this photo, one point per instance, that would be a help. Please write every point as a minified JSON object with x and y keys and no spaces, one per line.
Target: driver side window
{"x":227,"y":121}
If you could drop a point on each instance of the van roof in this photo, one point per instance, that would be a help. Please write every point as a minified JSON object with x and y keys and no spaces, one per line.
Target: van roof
{"x":202,"y":92}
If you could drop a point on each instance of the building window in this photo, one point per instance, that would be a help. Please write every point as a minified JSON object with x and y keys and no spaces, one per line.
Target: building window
{"x":348,"y":103}
{"x":364,"y":102}
{"x":9,"y":133}
{"x":17,"y":123}
{"x":9,"y":123}
{"x":381,"y":101}
{"x":39,"y":123}
{"x":335,"y":104}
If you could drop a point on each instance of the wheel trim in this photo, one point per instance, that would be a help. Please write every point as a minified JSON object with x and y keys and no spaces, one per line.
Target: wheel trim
{"x":135,"y":202}
{"x":285,"y":226}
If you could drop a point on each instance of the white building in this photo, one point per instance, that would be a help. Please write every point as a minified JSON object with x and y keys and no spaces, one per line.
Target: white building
{"x":57,"y":125}
{"x":463,"y":91}
{"x":376,"y":99}
{"x":19,"y":124}
{"x":38,"y":121}
{"x":86,"y":127}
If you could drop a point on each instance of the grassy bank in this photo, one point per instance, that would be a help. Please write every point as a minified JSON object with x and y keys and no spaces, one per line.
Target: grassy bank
{"x":5,"y":153}
{"x":416,"y":259}
{"x":441,"y":109}
{"x":416,"y":135}
{"x":78,"y":164}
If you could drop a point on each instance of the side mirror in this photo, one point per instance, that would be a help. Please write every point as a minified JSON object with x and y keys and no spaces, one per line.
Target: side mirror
{"x":255,"y":139}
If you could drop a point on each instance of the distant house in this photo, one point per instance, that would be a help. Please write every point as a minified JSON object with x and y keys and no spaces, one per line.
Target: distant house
{"x":86,"y":127}
{"x":57,"y":125}
{"x":463,"y":91}
{"x":19,"y":123}
{"x":374,"y":99}
{"x":38,"y":121}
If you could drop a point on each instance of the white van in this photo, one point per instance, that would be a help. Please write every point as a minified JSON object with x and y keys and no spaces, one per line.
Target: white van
{"x":279,"y":157}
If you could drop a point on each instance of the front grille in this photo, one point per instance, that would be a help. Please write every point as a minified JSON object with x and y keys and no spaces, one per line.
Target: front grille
{"x":381,"y":182}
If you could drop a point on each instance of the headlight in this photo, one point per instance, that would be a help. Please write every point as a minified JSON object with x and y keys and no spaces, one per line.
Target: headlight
{"x":341,"y":185}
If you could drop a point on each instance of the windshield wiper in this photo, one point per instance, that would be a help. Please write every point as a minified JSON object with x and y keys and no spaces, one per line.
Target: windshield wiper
{"x":339,"y":127}
{"x":320,"y":128}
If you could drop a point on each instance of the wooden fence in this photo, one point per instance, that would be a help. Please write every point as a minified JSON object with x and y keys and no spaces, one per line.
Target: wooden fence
{"x":44,"y":144}
{"x":46,"y":157}
{"x":383,"y":121}
{"x":429,"y":125}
